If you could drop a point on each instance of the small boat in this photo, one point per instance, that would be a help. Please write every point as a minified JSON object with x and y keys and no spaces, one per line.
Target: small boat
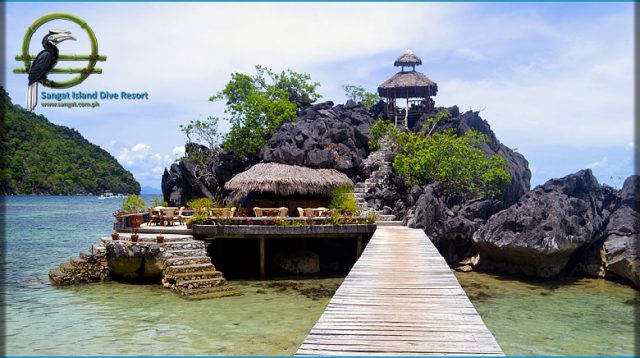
{"x":110,"y":195}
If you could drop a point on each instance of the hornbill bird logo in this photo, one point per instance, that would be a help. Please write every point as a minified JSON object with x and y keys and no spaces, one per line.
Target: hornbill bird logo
{"x":44,"y":62}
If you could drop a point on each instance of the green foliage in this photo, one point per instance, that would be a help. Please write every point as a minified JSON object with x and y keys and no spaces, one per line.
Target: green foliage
{"x":201,"y":206}
{"x":455,"y":162}
{"x":343,"y":200}
{"x":157,"y":201}
{"x":204,"y":132}
{"x":360,"y":95}
{"x":258,"y":105}
{"x":381,"y":131}
{"x":39,"y":157}
{"x":370,"y":217}
{"x":133,"y":203}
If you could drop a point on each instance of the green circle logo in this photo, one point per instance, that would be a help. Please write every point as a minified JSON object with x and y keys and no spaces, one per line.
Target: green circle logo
{"x":83,"y":73}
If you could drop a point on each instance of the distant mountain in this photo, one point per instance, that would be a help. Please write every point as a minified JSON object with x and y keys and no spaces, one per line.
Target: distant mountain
{"x":149,"y":190}
{"x":39,"y":157}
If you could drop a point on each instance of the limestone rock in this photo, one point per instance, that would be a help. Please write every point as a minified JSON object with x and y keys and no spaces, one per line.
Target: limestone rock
{"x":538,"y":235}
{"x":323,"y":136}
{"x":621,"y":243}
{"x":298,"y":262}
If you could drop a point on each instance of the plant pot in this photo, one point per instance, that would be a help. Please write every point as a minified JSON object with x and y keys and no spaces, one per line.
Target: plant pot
{"x":134,"y":238}
{"x":135,"y":221}
{"x":160,"y":239}
{"x":115,"y":236}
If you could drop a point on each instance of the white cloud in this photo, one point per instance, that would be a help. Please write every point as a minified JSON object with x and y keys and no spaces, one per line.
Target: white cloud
{"x":178,"y":151}
{"x":143,"y":161}
{"x":542,"y":81}
{"x":469,"y":54}
{"x":599,"y":163}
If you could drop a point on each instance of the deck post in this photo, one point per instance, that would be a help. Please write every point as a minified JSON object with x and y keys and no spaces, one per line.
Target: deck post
{"x":262,"y":251}
{"x":358,"y":246}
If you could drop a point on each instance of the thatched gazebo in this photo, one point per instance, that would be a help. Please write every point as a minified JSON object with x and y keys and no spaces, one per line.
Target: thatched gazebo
{"x":411,"y":85}
{"x":292,"y":186}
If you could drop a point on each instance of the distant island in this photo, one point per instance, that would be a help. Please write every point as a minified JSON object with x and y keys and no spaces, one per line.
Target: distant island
{"x":42,"y":158}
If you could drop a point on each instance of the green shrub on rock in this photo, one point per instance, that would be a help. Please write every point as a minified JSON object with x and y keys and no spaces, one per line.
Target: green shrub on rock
{"x":343,"y":201}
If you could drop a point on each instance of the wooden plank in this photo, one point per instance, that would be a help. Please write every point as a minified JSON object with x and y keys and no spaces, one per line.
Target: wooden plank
{"x":400,"y":298}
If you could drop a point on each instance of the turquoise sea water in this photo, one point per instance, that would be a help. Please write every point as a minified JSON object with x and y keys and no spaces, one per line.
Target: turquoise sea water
{"x":588,"y":317}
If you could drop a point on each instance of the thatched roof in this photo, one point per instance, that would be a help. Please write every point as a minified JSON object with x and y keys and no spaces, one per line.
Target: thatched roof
{"x":408,"y":85}
{"x":285,"y":180}
{"x":408,"y":59}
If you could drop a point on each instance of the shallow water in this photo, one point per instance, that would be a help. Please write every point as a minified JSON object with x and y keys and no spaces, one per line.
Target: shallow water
{"x":569,"y":317}
{"x":113,"y":318}
{"x":582,"y":317}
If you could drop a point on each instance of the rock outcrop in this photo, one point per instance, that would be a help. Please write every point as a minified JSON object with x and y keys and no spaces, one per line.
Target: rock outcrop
{"x":540,"y":234}
{"x":324,"y":136}
{"x":621,"y":234}
{"x":186,"y":180}
{"x":451,"y":225}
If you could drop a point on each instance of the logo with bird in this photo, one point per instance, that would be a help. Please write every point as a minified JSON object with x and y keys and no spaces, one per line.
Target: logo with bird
{"x":38,"y":67}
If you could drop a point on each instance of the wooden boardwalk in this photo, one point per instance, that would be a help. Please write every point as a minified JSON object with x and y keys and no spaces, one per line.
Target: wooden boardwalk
{"x":400,"y":298}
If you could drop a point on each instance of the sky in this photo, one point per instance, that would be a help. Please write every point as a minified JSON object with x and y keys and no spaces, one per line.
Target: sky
{"x":554,"y":80}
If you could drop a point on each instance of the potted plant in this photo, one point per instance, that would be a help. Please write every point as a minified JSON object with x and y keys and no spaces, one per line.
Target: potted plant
{"x":115,"y":235}
{"x":160,"y":238}
{"x":133,"y":206}
{"x":189,"y":223}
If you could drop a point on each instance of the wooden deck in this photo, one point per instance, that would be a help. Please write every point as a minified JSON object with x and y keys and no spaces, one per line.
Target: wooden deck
{"x":400,"y":298}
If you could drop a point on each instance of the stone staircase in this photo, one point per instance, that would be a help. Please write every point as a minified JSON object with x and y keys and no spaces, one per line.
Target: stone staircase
{"x":189,"y":271}
{"x":379,"y":177}
{"x":90,"y":266}
{"x":186,"y":267}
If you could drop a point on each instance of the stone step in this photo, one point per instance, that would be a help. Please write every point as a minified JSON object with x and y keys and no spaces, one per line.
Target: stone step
{"x":359,"y":190}
{"x":389,"y":223}
{"x":184,"y":276}
{"x":359,"y":185}
{"x":66,"y":267}
{"x":188,"y":245}
{"x":386,"y":217}
{"x":184,"y":253}
{"x":190,"y":268}
{"x":204,"y":290}
{"x":188,"y":260}
{"x":77,"y":261}
{"x":201,"y":283}
{"x":87,"y":254}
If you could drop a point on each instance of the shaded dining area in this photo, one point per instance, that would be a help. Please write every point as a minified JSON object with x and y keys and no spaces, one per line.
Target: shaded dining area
{"x":168,"y":216}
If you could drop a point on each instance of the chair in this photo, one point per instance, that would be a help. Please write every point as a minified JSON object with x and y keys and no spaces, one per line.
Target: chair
{"x":181,"y":218}
{"x":169,"y":215}
{"x":229,"y":212}
{"x":257,"y":211}
{"x":301,"y":213}
{"x":283,"y":212}
{"x":154,"y":216}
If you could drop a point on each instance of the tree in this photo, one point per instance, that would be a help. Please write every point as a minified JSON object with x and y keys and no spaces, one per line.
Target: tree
{"x":204,"y":132}
{"x":258,"y":105}
{"x":455,"y":162}
{"x":360,"y":95}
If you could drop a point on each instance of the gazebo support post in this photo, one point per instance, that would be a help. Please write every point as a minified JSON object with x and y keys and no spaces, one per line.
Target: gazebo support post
{"x":358,"y":246}
{"x":262,"y":258}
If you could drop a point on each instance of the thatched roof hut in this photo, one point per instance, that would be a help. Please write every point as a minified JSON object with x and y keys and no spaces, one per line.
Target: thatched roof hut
{"x":287,"y":180}
{"x":408,"y":59}
{"x":408,"y":85}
